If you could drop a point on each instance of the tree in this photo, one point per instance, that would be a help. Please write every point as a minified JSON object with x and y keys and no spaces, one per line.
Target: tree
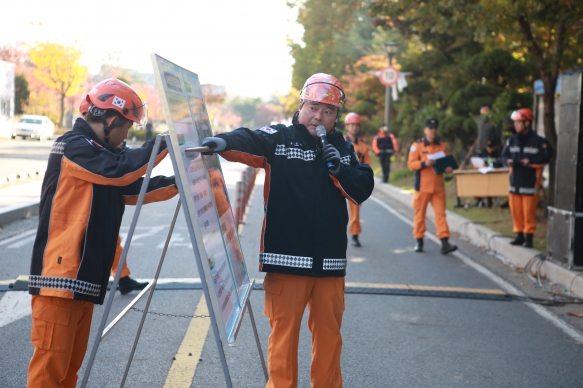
{"x":547,"y":35}
{"x":58,"y":67}
{"x":21,"y":94}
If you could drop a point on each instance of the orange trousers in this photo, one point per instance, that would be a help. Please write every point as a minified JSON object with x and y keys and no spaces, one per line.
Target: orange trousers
{"x":523,"y":210}
{"x":354,"y":221}
{"x":420,"y":201}
{"x":60,"y":331}
{"x":286,"y":298}
{"x":125,"y":271}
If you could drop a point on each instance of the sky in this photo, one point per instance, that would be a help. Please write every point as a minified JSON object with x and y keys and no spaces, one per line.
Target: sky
{"x":239,"y":44}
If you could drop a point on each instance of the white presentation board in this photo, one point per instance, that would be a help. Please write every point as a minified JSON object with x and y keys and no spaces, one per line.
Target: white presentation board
{"x":202,"y":188}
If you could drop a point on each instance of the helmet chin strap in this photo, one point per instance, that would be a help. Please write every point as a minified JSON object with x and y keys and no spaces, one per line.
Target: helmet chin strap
{"x":107,"y":128}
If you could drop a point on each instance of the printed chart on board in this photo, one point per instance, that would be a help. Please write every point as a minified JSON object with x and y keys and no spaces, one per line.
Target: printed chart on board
{"x":207,"y":202}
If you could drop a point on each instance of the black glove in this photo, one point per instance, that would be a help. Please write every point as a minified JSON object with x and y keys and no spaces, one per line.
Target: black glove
{"x":331,"y":154}
{"x":215,"y":144}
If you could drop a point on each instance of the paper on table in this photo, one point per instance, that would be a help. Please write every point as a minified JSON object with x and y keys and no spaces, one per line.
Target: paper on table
{"x":477,"y":162}
{"x":485,"y":170}
{"x":437,"y":155}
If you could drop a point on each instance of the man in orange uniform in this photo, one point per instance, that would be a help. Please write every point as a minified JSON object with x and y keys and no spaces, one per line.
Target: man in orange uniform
{"x":526,"y":154}
{"x":84,"y":193}
{"x":352,"y":122}
{"x":384,"y":145}
{"x":429,"y":186}
{"x":126,"y":284}
{"x":303,"y":243}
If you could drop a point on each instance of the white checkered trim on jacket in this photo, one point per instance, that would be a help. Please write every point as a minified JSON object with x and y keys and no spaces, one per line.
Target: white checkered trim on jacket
{"x":58,"y":147}
{"x":345,"y":159}
{"x":334,"y":264}
{"x":64,"y":284}
{"x":286,"y":260}
{"x":294,"y":153}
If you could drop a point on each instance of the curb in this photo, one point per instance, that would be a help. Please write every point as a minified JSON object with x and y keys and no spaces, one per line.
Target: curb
{"x":20,"y":177}
{"x":18,"y":212}
{"x":517,"y":257}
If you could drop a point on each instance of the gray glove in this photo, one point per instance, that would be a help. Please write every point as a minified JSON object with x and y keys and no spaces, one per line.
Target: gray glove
{"x":215,"y":144}
{"x":332,"y":156}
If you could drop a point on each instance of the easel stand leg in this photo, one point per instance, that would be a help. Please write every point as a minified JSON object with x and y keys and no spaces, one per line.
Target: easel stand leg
{"x":257,"y":341}
{"x":150,"y":295}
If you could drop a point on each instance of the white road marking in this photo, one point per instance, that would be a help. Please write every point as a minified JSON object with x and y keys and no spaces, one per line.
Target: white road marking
{"x":175,"y":241}
{"x":17,"y":237}
{"x":13,"y":306}
{"x":506,"y":286}
{"x":21,"y":242}
{"x":153,"y":230}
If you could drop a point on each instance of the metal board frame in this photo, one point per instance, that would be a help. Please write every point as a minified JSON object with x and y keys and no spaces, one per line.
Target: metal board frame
{"x":181,"y":97}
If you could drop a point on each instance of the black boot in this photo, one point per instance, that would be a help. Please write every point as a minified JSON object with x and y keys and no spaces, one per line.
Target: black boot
{"x":528,"y":242}
{"x":355,"y":241}
{"x":128,"y":284}
{"x":490,"y":202}
{"x":519,"y":240}
{"x":419,"y":245}
{"x":446,"y":247}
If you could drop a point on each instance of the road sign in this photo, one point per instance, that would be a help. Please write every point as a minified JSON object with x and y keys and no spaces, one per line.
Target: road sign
{"x":389,"y":76}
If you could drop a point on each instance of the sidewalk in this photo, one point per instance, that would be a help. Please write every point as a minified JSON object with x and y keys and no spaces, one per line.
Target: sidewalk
{"x":20,"y":201}
{"x":515,"y":256}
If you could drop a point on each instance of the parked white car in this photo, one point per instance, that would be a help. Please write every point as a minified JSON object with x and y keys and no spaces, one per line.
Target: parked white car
{"x":33,"y":126}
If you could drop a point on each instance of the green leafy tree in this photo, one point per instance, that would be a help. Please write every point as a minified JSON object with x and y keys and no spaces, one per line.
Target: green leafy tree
{"x":546,"y":34}
{"x":246,"y":108}
{"x":21,"y":94}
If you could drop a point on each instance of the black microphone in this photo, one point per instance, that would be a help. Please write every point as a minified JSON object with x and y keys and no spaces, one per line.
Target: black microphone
{"x":321,"y":133}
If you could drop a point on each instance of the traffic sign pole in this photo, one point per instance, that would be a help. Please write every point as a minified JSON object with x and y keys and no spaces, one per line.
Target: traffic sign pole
{"x":388,"y":77}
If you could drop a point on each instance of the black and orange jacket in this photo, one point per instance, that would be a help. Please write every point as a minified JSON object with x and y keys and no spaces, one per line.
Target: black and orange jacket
{"x":525,"y":180}
{"x":426,"y":180}
{"x":305,"y":219}
{"x":84,"y":192}
{"x":361,"y":149}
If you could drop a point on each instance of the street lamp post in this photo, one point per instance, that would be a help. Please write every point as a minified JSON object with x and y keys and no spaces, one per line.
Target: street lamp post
{"x":390,"y":48}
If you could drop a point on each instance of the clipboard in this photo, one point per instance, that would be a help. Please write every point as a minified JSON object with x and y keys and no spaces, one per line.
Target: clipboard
{"x":442,"y":163}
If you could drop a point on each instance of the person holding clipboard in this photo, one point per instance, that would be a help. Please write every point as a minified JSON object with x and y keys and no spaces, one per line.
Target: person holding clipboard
{"x":429,"y":158}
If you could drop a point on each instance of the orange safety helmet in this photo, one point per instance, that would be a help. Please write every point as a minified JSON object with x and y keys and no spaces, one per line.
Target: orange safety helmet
{"x":352,"y":118}
{"x":115,"y":94}
{"x":84,"y":106}
{"x":325,"y":89}
{"x":523,"y":114}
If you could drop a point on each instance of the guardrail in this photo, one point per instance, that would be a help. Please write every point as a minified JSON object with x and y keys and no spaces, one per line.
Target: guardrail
{"x":243,"y":190}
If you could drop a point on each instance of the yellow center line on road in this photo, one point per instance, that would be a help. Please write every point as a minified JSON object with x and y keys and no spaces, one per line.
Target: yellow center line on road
{"x":492,"y":291}
{"x":184,"y":365}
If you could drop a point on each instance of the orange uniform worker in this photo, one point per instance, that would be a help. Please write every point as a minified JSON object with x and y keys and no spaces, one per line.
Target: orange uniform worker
{"x":384,"y":145}
{"x":429,"y":186}
{"x":352,"y":122}
{"x":126,"y":283}
{"x":303,"y":243}
{"x":526,"y":154}
{"x":84,"y":193}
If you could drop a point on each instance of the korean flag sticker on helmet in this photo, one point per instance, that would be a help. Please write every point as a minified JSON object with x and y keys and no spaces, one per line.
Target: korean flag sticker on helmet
{"x":119,"y":102}
{"x":268,"y":130}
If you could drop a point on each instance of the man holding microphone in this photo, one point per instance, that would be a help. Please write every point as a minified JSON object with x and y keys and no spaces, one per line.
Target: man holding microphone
{"x":310,"y":173}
